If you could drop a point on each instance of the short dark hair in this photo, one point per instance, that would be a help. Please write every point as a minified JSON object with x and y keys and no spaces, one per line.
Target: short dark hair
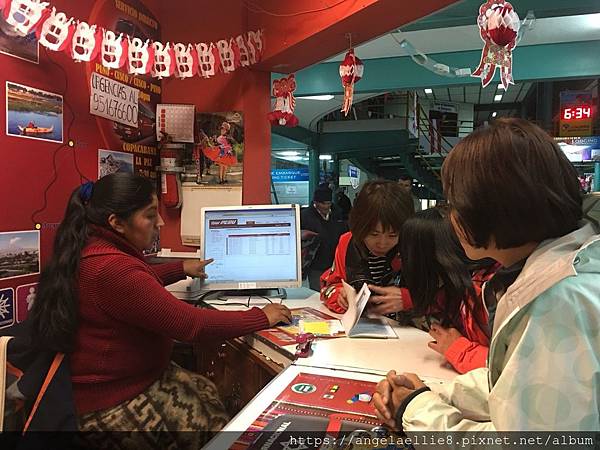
{"x":511,"y":182}
{"x":380,"y":201}
{"x":405,"y":178}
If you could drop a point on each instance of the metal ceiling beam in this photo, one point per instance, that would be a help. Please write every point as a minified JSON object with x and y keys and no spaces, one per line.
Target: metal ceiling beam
{"x":535,"y":62}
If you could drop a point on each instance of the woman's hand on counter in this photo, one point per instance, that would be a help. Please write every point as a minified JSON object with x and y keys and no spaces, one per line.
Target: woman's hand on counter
{"x":277,"y":313}
{"x":444,"y":338}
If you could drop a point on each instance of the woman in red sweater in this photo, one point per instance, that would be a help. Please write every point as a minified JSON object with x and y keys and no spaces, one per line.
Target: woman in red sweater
{"x":445,"y":289}
{"x":103,"y":305}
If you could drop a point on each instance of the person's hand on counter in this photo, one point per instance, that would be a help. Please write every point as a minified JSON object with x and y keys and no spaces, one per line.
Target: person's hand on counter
{"x":443,"y":338}
{"x":391,"y":393}
{"x":277,"y":313}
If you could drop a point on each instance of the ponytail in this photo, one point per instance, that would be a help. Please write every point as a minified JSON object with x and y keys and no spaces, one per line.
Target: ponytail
{"x":54,"y":312}
{"x":54,"y":315}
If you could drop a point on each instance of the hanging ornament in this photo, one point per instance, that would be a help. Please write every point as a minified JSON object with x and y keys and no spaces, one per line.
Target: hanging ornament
{"x":498,"y":27}
{"x":140,"y":56}
{"x":285,"y":102}
{"x":114,"y":50}
{"x":206,"y":60}
{"x":86,"y":42}
{"x":226,"y":55}
{"x":243,"y":51}
{"x":217,"y":56}
{"x":186,"y":59}
{"x":24,"y":15}
{"x":56,"y":32}
{"x":351,"y":71}
{"x":164,"y":60}
{"x":256,"y":38}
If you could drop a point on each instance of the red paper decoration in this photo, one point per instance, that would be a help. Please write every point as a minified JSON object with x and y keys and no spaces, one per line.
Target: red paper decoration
{"x":285,"y":102}
{"x":498,"y":27}
{"x":351,"y":71}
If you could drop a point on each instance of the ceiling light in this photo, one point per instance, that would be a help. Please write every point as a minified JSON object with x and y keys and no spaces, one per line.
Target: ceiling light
{"x":498,"y":97}
{"x":288,"y":153}
{"x":494,"y":114}
{"x":428,"y":91}
{"x":318,"y":97}
{"x":325,"y":157}
{"x":500,"y":86}
{"x":294,"y":158}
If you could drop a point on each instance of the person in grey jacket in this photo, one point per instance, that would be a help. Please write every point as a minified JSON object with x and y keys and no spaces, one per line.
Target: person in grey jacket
{"x":515,"y":198}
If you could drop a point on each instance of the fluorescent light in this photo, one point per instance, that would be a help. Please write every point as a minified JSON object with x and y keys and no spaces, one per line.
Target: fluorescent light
{"x":500,"y":86}
{"x":325,"y":157}
{"x":318,"y":97}
{"x":289,"y":153}
{"x":498,"y":97}
{"x":294,"y":158}
{"x":494,"y":114}
{"x":428,"y":91}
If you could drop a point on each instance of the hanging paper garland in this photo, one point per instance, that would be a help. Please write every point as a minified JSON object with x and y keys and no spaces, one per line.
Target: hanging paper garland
{"x":498,"y":27}
{"x":285,"y":102}
{"x":140,"y":56}
{"x":86,"y":42}
{"x":24,"y":15}
{"x":351,"y":71}
{"x":56,"y":32}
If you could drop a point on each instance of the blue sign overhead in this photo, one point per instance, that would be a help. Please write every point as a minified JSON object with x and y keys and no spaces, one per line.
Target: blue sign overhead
{"x":285,"y":175}
{"x":353,"y":172}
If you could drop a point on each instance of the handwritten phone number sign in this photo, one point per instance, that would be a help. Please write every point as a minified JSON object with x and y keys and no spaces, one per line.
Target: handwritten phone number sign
{"x":113,"y":100}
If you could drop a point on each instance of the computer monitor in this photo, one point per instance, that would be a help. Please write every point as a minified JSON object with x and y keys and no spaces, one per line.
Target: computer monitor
{"x":253,"y":246}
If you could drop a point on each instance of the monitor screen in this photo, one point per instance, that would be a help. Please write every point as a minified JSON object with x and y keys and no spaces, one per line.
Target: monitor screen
{"x":253,"y":246}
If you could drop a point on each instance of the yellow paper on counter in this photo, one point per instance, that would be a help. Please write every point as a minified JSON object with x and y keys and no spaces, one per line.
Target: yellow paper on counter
{"x":322,"y":327}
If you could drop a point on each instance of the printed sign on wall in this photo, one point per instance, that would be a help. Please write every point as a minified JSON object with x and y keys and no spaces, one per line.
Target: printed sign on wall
{"x":113,"y":100}
{"x":25,"y":298}
{"x":7,"y":307}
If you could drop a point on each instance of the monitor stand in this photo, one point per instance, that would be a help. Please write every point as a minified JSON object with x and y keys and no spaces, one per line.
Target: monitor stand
{"x":268,"y":293}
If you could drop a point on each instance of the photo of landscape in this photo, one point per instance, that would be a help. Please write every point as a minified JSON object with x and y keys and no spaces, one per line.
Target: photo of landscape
{"x":19,"y":253}
{"x":33,"y":113}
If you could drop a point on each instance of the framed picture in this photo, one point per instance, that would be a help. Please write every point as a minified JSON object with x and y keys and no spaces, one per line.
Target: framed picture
{"x":33,"y":113}
{"x":22,"y":47}
{"x":19,"y":253}
{"x":110,"y":161}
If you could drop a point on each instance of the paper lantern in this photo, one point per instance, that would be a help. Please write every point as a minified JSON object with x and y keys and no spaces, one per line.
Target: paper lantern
{"x":351,"y":71}
{"x":498,"y":27}
{"x":285,"y":102}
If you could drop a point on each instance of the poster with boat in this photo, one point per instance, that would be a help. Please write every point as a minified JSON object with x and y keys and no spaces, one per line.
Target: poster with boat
{"x":33,"y":113}
{"x":110,"y":161}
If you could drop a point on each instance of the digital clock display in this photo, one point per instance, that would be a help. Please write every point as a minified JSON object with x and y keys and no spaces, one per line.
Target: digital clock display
{"x":577,"y":113}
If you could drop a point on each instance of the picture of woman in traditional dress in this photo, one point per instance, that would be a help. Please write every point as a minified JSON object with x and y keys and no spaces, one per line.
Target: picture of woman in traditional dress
{"x":223,"y":153}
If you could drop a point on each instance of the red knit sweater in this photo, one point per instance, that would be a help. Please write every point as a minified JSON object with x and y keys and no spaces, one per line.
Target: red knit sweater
{"x":128,"y":320}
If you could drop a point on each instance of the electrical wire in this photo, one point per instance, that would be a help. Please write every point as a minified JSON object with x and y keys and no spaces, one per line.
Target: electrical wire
{"x":61,"y":146}
{"x":253,"y":7}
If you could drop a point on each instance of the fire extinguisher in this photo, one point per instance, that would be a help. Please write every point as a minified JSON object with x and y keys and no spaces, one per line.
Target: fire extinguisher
{"x":170,"y":170}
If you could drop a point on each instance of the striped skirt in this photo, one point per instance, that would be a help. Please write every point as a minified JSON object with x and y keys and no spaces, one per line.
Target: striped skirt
{"x":180,"y":410}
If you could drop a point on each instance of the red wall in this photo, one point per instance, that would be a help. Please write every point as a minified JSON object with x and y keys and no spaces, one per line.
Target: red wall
{"x":27,"y":165}
{"x":243,"y":90}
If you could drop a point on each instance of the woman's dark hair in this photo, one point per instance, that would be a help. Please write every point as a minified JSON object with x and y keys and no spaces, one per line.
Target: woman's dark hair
{"x":511,"y":182}
{"x":54,"y":315}
{"x":380,"y":201}
{"x":432,"y":256}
